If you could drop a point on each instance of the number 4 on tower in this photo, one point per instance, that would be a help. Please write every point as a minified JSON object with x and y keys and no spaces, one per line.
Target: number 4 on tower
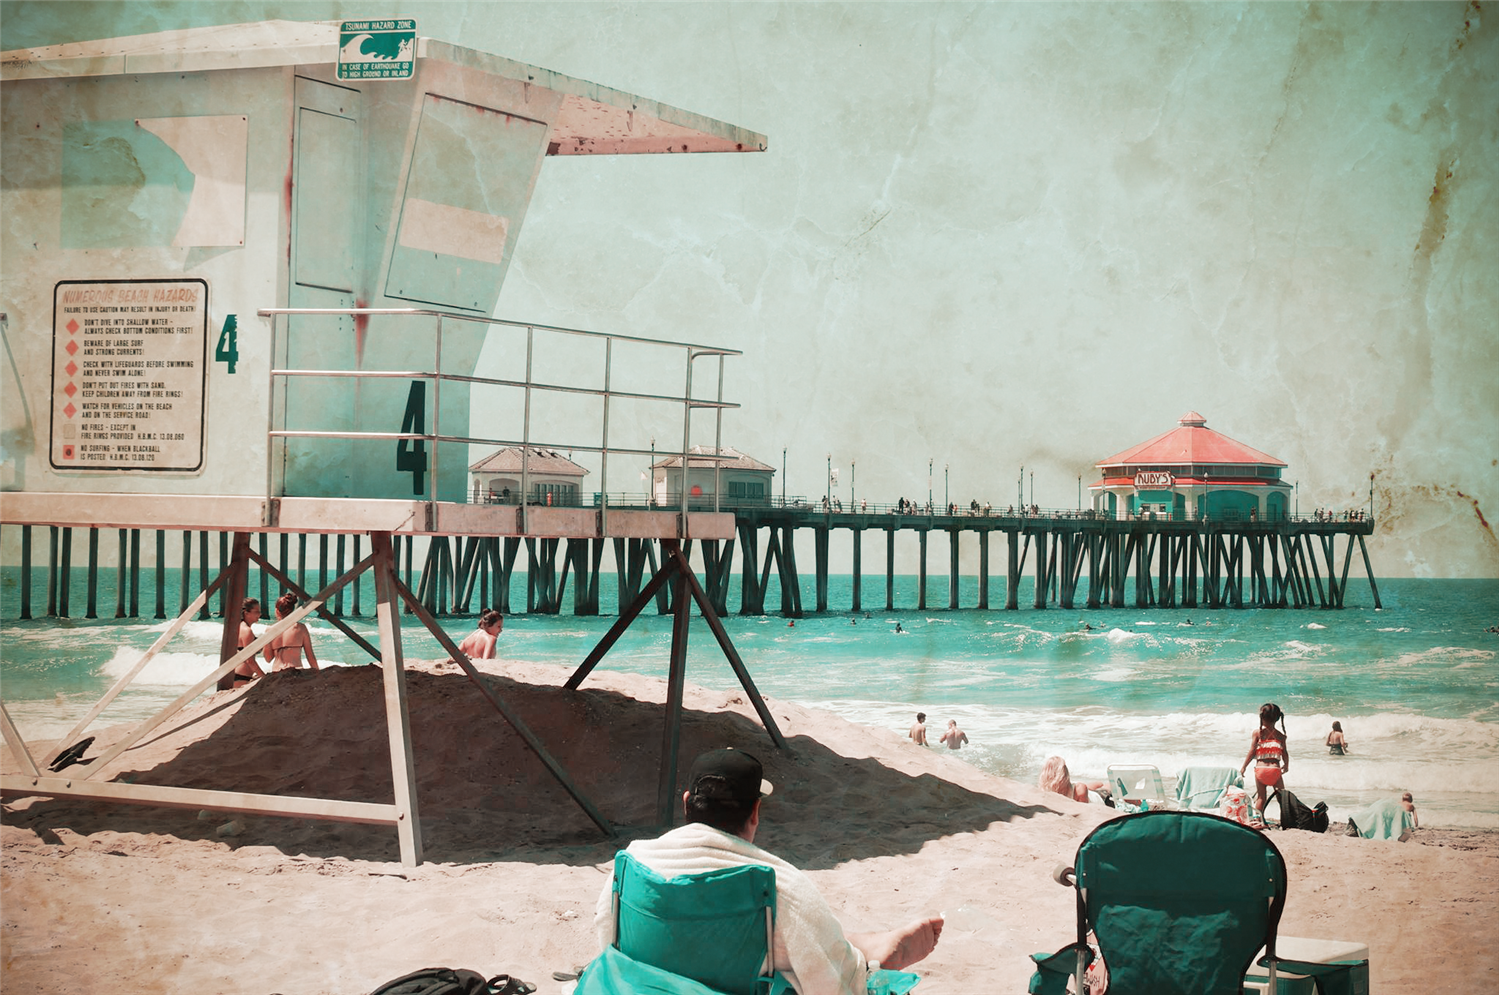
{"x":228,"y":349}
{"x":411,"y":454}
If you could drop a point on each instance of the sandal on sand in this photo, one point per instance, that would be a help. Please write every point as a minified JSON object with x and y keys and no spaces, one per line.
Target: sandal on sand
{"x":506,"y":984}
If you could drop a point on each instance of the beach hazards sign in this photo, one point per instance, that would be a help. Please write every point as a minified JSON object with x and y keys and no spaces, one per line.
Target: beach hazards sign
{"x":378,"y":49}
{"x":129,"y":371}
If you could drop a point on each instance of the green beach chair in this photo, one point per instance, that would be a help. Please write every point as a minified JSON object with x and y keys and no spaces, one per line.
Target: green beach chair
{"x":705,"y":933}
{"x":1178,"y":902}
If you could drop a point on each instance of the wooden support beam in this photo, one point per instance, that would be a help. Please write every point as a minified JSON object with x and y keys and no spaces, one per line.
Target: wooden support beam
{"x":120,"y":685}
{"x":666,"y":786}
{"x":856,"y":534}
{"x":890,"y":569}
{"x":820,"y":566}
{"x":984,"y":569}
{"x":1012,"y":569}
{"x":393,"y":681}
{"x":953,"y":568}
{"x":26,"y":571}
{"x":922,"y":569}
{"x":500,"y":706}
{"x":716,"y":625}
{"x":91,"y":592}
{"x":752,"y":597}
{"x":791,"y":584}
{"x":621,"y":624}
{"x":1368,"y":572}
{"x":218,"y":800}
{"x":1039,"y":596}
{"x":17,"y":744}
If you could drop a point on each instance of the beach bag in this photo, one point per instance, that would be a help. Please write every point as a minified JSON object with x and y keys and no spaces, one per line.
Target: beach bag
{"x":453,"y":980}
{"x":1296,"y":816}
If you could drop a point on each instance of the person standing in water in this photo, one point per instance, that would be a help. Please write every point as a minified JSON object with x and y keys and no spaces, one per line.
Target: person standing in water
{"x":918,"y":731}
{"x":480,"y":644}
{"x":287,"y":649}
{"x":1336,"y":742}
{"x":1269,"y":752}
{"x":953,"y":736}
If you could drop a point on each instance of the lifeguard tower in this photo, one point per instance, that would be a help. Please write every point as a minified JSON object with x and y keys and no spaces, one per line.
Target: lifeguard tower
{"x":248,"y":273}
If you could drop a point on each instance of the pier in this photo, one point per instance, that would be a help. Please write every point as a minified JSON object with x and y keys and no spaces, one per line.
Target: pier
{"x":1077,"y":559}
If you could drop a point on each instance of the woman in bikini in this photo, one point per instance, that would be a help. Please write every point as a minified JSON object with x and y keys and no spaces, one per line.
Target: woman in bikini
{"x":287,"y":649}
{"x":1268,"y":751}
{"x":247,"y":670}
{"x":1336,"y":742}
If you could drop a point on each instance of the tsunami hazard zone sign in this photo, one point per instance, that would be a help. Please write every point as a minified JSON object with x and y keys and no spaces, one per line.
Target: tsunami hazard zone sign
{"x":378,"y":50}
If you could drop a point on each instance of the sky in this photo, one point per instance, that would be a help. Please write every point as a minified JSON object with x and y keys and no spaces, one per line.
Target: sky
{"x":999,"y":236}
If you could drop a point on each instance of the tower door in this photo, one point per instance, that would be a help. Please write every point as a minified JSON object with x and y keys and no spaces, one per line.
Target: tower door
{"x":326,"y":265}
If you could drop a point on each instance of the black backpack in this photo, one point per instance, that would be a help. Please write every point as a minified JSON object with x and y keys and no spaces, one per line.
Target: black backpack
{"x":454,"y":980}
{"x":1294,"y":815}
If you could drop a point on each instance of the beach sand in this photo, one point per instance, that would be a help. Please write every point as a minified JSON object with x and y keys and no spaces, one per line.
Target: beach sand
{"x":109,"y":898}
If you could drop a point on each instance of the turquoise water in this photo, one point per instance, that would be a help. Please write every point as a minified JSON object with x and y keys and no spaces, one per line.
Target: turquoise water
{"x":1414,"y":684}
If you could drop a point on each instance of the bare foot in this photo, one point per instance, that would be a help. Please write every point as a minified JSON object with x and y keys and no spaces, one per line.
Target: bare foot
{"x":896,"y":949}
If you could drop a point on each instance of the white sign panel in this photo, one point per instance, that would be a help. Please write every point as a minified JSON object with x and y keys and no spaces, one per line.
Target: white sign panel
{"x":129,"y":370}
{"x":1153,"y":479}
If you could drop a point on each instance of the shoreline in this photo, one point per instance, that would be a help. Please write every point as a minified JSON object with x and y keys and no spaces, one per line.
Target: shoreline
{"x":164,"y":900}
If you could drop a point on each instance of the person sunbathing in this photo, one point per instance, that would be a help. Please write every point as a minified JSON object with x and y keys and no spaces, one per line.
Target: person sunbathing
{"x":287,"y":648}
{"x":1055,"y":778}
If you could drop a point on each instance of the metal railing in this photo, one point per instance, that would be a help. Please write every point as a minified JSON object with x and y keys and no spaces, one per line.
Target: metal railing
{"x":446,"y":323}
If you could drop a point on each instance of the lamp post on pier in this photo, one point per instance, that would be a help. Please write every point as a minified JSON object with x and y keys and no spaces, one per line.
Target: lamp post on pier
{"x":783,"y":477}
{"x":828,"y":495}
{"x":851,"y":485}
{"x":929,"y":485}
{"x":947,"y":502}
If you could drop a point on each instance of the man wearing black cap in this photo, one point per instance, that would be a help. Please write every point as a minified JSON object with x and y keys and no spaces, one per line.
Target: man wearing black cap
{"x":722,"y":806}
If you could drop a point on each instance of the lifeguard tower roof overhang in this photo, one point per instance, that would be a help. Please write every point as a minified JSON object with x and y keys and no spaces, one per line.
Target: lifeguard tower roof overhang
{"x":1191,"y":472}
{"x":221,"y":173}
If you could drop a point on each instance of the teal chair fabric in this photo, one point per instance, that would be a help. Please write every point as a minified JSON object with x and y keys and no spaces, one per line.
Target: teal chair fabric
{"x":711,"y":931}
{"x":1178,"y":902}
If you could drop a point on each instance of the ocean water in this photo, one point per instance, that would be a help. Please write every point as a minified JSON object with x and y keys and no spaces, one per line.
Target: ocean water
{"x":1414,"y":684}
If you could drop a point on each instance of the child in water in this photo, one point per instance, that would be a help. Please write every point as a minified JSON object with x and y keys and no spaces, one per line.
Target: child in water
{"x":1268,"y":751}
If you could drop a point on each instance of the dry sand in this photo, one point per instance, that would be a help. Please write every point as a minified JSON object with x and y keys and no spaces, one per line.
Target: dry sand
{"x":108,"y":898}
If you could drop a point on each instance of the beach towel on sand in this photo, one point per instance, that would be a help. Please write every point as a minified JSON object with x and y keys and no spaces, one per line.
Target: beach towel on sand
{"x":1385,"y":820}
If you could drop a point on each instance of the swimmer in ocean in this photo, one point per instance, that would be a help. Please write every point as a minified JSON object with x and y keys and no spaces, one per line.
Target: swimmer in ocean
{"x":1336,"y":742}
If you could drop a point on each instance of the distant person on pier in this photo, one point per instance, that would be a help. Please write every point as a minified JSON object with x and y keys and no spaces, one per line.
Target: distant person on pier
{"x":953,"y":736}
{"x":248,"y":669}
{"x":287,"y":649}
{"x":918,"y":731}
{"x":480,"y":644}
{"x":1336,"y":742}
{"x":1269,"y":752}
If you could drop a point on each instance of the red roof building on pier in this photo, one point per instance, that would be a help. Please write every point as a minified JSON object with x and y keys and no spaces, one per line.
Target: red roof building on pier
{"x":1191,"y":472}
